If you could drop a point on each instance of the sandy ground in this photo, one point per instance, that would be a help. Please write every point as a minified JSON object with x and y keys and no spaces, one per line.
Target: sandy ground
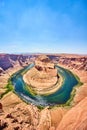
{"x":10,"y":100}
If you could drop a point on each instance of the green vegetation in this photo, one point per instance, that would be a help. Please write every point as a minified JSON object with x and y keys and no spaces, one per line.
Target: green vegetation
{"x":30,"y":89}
{"x":69,"y":102}
{"x":40,"y":107}
{"x":9,"y":87}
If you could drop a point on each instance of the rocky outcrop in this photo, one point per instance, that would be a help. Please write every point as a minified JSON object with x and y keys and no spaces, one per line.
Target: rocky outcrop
{"x":79,"y":63}
{"x":76,"y":118}
{"x":9,"y":60}
{"x":43,"y":62}
{"x":45,"y":120}
{"x":29,"y":117}
{"x":43,"y":75}
{"x":22,"y":117}
{"x":5,"y":62}
{"x":57,"y":115}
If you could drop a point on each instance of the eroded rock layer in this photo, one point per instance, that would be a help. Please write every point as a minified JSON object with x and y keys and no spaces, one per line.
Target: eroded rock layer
{"x":42,"y":75}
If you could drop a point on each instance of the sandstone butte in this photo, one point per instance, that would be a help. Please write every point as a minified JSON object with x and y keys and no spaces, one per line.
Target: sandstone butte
{"x":42,"y":76}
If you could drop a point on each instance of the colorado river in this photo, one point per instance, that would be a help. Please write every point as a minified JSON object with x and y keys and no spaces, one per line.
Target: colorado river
{"x":61,"y":96}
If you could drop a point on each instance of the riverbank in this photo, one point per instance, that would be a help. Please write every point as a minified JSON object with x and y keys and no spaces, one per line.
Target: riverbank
{"x":58,"y":97}
{"x":45,"y":90}
{"x":8,"y":98}
{"x":80,"y":91}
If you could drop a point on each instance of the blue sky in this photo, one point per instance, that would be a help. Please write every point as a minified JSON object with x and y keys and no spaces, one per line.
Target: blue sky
{"x":46,"y":26}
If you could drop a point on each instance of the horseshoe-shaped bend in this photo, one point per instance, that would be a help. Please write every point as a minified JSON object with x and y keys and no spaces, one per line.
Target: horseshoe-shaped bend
{"x":57,"y":90}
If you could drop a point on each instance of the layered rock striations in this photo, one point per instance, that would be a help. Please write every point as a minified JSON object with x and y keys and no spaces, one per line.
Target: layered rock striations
{"x":76,"y":62}
{"x":43,"y":75}
{"x":9,"y":60}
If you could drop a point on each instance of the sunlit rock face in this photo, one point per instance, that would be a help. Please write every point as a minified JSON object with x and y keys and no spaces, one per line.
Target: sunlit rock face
{"x":76,"y":118}
{"x":43,"y":74}
{"x":8,"y":61}
{"x":76,"y":62}
{"x":44,"y":64}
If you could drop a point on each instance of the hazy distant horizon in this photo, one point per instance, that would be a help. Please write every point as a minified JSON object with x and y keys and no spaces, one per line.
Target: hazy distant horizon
{"x":36,"y":53}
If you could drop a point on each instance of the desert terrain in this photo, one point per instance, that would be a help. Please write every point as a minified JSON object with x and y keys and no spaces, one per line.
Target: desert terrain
{"x":18,"y":115}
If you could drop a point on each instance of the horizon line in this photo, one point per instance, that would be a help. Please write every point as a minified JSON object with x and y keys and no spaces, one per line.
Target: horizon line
{"x":33,"y":53}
